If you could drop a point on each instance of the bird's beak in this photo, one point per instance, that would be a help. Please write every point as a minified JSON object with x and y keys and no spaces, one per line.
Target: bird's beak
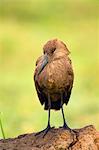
{"x":44,"y":63}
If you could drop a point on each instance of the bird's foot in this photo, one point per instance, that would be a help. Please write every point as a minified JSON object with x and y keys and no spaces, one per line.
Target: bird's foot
{"x":45,"y":131}
{"x":66,"y":127}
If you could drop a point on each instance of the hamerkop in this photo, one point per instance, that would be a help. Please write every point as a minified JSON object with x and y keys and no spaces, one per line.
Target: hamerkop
{"x":54,"y":78}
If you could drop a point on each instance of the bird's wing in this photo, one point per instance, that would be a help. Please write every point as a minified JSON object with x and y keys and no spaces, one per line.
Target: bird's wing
{"x":70,"y":81}
{"x":40,"y":93}
{"x":67,"y":95}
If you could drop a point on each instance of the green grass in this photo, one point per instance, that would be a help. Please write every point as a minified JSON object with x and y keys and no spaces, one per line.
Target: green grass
{"x":24,"y":29}
{"x":1,"y":127}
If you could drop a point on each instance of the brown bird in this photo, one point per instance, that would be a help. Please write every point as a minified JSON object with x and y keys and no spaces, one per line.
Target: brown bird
{"x":54,"y":78}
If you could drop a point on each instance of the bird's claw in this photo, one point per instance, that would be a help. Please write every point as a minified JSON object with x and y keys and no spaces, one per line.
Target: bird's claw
{"x":45,"y":131}
{"x":67,"y":128}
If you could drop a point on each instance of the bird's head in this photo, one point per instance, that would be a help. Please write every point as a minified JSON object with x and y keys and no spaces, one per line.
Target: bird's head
{"x":52,"y":50}
{"x":54,"y":45}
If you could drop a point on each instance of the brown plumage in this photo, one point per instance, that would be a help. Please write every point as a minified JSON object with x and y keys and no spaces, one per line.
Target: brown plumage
{"x":54,"y":76}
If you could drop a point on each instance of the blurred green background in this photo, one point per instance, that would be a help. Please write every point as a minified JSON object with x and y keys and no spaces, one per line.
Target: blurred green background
{"x":25,"y":26}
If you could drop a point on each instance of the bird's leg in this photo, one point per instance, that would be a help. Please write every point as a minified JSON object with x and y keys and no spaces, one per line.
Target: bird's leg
{"x":65,"y":126}
{"x":48,"y":125}
{"x":64,"y":121}
{"x":49,"y":107}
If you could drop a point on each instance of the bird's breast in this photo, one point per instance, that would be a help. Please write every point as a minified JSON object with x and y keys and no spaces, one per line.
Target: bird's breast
{"x":55,"y":75}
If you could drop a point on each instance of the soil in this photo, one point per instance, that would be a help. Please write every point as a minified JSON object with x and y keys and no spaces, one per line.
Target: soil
{"x":86,"y":138}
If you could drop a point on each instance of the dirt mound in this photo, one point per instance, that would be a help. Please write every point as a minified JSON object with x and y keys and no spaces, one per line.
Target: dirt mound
{"x":86,"y":138}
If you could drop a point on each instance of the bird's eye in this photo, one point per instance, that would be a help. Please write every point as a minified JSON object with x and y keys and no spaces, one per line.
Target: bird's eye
{"x":53,"y":50}
{"x":44,"y":51}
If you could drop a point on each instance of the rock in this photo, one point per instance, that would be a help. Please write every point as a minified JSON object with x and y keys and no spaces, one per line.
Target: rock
{"x":86,"y":138}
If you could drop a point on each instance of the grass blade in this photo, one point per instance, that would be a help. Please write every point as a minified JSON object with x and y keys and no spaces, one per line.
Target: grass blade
{"x":1,"y":126}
